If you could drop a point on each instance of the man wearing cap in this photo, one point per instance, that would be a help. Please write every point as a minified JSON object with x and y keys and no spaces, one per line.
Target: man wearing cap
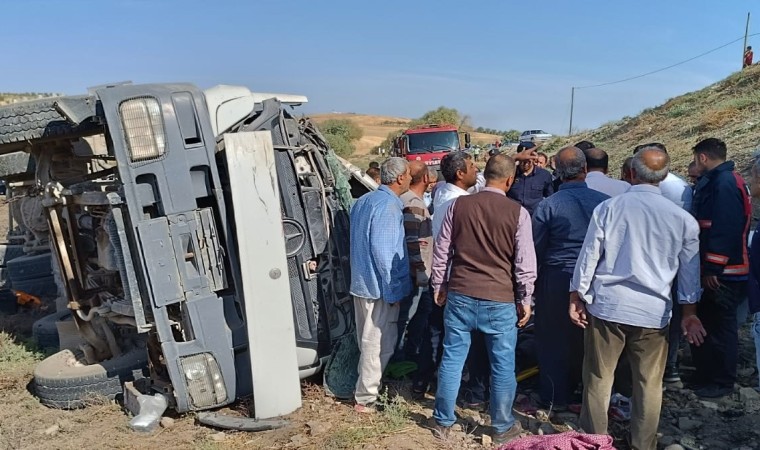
{"x":532,"y":183}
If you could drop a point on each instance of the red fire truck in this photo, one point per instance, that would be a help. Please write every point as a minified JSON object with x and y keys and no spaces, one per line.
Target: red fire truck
{"x":429,"y":143}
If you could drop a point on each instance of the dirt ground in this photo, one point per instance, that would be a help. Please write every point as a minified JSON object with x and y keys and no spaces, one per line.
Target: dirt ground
{"x":323,"y":423}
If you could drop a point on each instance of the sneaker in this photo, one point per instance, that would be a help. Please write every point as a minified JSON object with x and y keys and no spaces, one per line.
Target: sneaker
{"x":509,"y":435}
{"x":713,"y":391}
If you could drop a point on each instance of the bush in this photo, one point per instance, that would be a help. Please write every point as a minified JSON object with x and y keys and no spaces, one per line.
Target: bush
{"x":340,"y":145}
{"x":342,"y":127}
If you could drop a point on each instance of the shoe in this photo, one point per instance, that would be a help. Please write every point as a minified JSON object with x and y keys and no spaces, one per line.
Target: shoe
{"x":713,"y":391}
{"x":441,"y":432}
{"x":474,"y":406}
{"x":671,"y":375}
{"x":509,"y":435}
{"x":369,"y":408}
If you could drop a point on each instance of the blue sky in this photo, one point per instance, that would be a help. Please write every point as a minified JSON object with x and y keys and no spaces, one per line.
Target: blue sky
{"x":507,"y":64}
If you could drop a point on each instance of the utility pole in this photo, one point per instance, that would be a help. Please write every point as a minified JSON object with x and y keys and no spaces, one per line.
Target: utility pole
{"x":746,"y":34}
{"x":572,"y":106}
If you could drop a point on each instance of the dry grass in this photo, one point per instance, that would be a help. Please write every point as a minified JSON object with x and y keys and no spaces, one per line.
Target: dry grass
{"x":729,"y":110}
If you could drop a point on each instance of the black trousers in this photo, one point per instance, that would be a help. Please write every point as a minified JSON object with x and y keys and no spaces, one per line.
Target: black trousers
{"x":717,"y":357}
{"x":558,"y":341}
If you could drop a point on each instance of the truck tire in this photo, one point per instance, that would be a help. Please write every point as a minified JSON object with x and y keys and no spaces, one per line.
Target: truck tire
{"x":9,"y":252}
{"x":30,"y":267}
{"x":31,"y":120}
{"x":39,"y":287}
{"x":45,"y":330}
{"x":60,"y":384}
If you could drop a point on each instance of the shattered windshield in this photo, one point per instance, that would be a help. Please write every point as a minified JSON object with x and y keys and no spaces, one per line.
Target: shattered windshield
{"x":438,"y":141}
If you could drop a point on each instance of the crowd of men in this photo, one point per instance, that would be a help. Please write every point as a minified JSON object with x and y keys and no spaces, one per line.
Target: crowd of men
{"x":619,"y":272}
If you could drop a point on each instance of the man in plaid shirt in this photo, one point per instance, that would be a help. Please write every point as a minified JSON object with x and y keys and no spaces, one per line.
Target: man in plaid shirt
{"x":379,"y":276}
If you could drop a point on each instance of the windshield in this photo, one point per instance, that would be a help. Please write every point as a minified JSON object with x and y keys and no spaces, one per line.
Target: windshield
{"x":438,"y":141}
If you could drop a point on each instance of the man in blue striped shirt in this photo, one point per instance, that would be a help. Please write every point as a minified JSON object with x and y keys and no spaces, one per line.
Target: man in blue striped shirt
{"x":380,"y":276}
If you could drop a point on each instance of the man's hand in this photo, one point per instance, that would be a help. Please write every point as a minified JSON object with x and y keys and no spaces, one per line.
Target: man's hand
{"x":440,"y":296}
{"x":523,"y":314}
{"x":529,"y":154}
{"x":577,"y":310}
{"x":711,"y":281}
{"x":693,"y":330}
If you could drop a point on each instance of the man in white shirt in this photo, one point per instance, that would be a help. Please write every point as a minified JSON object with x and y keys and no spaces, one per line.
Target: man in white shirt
{"x":636,"y":245}
{"x":679,"y":192}
{"x":597,"y":162}
{"x":460,"y":174}
{"x":673,"y":187}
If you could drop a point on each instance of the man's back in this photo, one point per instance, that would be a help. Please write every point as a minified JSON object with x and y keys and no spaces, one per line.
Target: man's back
{"x":560,"y":223}
{"x":677,"y":190}
{"x":642,"y":240}
{"x":599,"y":181}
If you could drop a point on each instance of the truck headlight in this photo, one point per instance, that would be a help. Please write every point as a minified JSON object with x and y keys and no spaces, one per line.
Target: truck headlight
{"x":143,"y":128}
{"x":204,"y":381}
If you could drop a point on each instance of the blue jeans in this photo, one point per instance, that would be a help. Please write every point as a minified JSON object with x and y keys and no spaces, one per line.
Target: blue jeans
{"x":498,"y":323}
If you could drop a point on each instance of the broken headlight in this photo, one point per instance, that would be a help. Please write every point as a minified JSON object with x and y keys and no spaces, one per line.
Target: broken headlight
{"x":204,"y":381}
{"x":143,"y":128}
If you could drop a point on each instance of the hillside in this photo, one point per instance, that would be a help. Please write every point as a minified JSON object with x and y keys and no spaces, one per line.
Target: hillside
{"x":8,"y":98}
{"x":728,"y":110}
{"x":377,"y":128}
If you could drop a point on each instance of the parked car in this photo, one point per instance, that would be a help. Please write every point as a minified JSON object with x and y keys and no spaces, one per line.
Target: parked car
{"x":535,"y":136}
{"x":201,"y":238}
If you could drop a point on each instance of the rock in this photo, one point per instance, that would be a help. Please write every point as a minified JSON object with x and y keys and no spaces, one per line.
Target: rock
{"x":299,"y":440}
{"x":674,"y":447}
{"x":167,"y":422}
{"x":218,"y":437}
{"x":667,"y":440}
{"x":316,"y":428}
{"x":457,"y":427}
{"x":52,"y":430}
{"x":709,"y":405}
{"x":546,"y":428}
{"x":486,"y":441}
{"x":749,"y":397}
{"x":686,"y":424}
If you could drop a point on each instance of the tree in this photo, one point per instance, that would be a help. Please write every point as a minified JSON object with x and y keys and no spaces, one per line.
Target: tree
{"x":342,"y":127}
{"x":440,"y":116}
{"x":341,"y":134}
{"x":340,"y":145}
{"x":511,"y":135}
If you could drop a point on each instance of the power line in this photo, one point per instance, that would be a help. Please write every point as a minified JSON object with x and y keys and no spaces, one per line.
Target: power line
{"x":664,"y":68}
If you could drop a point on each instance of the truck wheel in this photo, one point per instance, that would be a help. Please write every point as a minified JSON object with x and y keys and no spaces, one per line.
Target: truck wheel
{"x":10,"y":252}
{"x":60,"y":382}
{"x":45,"y":330}
{"x":35,"y":119}
{"x":39,"y":287}
{"x":30,"y":267}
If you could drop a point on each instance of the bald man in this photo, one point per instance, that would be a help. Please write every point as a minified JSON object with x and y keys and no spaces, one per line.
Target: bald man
{"x":419,"y":243}
{"x":597,"y":162}
{"x":560,"y":223}
{"x":636,"y":245}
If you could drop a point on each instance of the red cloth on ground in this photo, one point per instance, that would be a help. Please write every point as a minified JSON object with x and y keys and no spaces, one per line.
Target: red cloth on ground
{"x":570,"y":440}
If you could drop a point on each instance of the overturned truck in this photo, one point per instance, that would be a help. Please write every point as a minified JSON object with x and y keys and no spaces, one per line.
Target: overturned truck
{"x":201,"y":241}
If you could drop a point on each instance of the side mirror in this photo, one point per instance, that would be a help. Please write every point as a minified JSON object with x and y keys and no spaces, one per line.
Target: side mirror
{"x":467,"y":140}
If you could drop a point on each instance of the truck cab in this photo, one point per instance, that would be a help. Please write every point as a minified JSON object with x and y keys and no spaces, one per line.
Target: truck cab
{"x":200,"y":239}
{"x":429,"y":143}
